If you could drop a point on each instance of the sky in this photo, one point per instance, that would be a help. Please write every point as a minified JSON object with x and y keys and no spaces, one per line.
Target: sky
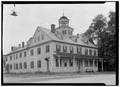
{"x":18,"y":29}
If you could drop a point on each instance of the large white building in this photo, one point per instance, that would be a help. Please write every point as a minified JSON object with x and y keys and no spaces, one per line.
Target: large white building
{"x":53,"y":50}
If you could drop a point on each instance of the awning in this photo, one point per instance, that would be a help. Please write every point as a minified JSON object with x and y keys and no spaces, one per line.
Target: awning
{"x":72,"y":55}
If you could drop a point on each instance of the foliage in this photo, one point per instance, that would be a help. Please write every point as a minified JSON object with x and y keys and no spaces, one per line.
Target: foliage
{"x":104,"y":33}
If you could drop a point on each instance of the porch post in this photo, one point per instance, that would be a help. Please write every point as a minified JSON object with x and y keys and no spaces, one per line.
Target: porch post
{"x":93,"y":63}
{"x":59,"y":60}
{"x":83,"y":64}
{"x":74,"y":63}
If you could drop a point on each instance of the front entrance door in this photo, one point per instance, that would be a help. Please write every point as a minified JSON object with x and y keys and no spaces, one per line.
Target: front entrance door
{"x":79,"y":65}
{"x":47,"y":62}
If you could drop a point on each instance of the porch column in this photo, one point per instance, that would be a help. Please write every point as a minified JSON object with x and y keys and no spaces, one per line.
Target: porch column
{"x":59,"y":60}
{"x":74,"y":64}
{"x":102,"y":64}
{"x":94,"y":65}
{"x":83,"y":64}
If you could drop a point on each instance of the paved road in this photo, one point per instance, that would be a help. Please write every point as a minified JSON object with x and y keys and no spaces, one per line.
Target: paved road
{"x":108,"y":79}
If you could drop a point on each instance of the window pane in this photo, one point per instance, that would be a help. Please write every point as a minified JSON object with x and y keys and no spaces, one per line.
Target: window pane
{"x":10,"y":57}
{"x":24,"y":54}
{"x":94,"y":52}
{"x":90,"y":51}
{"x":57,"y":63}
{"x":64,"y":48}
{"x":58,"y":48}
{"x":47,"y":48}
{"x":31,"y":52}
{"x":95,"y":63}
{"x":16,"y":66}
{"x":86,"y":51}
{"x":20,"y":65}
{"x":39,"y":64}
{"x":71,"y":62}
{"x":91,"y":62}
{"x":25,"y":65}
{"x":39,"y":50}
{"x":32,"y":64}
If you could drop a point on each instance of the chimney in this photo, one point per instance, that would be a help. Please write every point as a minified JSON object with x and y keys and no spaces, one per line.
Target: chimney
{"x":77,"y":35}
{"x":19,"y":45}
{"x":53,"y":28}
{"x":22,"y":44}
{"x":12,"y":48}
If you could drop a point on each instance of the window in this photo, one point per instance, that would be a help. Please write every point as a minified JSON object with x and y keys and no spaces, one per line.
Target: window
{"x":65,"y":32}
{"x":42,"y":36}
{"x":79,"y":50}
{"x":47,"y":48}
{"x":25,"y":65}
{"x":16,"y":56}
{"x":10,"y":57}
{"x":20,"y":65}
{"x":31,"y":52}
{"x":24,"y":54}
{"x":38,"y":50}
{"x":11,"y":67}
{"x":39,"y":64}
{"x":86,"y":63}
{"x":64,"y":48}
{"x":58,"y":48}
{"x":71,"y":62}
{"x":90,"y":52}
{"x":94,"y":52}
{"x":91,"y":62}
{"x":65,"y":63}
{"x":20,"y":55}
{"x":32,"y":64}
{"x":95,"y":63}
{"x":57,"y":62}
{"x":38,"y":38}
{"x":86,"y":51}
{"x":71,"y":49}
{"x":16,"y":66}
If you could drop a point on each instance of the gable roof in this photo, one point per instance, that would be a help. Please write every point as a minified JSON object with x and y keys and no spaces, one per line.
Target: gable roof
{"x":66,"y":39}
{"x":60,"y":38}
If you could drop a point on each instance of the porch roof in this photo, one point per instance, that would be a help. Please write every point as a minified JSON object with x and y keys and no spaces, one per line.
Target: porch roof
{"x":71,"y":55}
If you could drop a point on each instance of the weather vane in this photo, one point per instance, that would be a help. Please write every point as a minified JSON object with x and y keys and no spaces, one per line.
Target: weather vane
{"x":13,"y":12}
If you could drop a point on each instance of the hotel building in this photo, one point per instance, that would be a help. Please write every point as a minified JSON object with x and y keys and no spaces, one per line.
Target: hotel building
{"x":53,"y":50}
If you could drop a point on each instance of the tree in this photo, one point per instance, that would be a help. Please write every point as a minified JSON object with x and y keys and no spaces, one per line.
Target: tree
{"x":104,"y":33}
{"x":96,"y":31}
